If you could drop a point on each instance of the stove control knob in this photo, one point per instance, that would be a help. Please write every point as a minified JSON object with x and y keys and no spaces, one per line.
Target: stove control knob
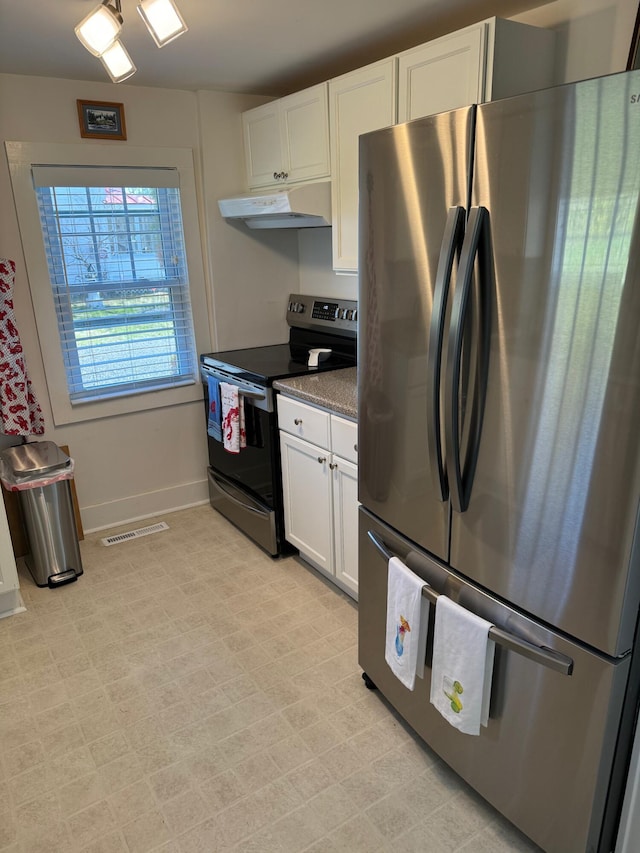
{"x":349,"y":314}
{"x":355,"y":314}
{"x":299,"y":308}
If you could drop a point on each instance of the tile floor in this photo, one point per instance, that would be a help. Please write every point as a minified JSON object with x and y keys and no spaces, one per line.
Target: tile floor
{"x":190,"y":695}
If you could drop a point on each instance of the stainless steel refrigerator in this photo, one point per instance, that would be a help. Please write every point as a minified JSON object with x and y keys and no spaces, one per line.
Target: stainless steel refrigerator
{"x":499,"y":421}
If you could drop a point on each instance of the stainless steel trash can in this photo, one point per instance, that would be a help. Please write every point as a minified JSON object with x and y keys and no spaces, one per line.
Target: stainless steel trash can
{"x":41,"y":472}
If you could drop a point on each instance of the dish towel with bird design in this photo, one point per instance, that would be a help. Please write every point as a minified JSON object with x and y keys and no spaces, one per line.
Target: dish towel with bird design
{"x":407,"y":619}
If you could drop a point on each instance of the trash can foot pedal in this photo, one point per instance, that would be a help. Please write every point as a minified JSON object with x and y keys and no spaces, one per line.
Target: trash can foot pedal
{"x":62,"y":577}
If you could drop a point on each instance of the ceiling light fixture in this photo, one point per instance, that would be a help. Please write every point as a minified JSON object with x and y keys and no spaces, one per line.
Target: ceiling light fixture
{"x":99,"y":32}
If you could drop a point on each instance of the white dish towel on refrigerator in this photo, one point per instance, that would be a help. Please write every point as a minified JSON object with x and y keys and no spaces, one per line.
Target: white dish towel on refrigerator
{"x":407,"y":619}
{"x":462,"y":666}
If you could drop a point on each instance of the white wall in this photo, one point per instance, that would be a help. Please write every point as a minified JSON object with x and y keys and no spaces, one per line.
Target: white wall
{"x":316,"y":275}
{"x":132,"y":466}
{"x":593,"y":38}
{"x":252,"y":272}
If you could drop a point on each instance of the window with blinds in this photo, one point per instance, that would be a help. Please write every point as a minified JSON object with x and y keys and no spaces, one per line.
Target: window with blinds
{"x":117,"y":264}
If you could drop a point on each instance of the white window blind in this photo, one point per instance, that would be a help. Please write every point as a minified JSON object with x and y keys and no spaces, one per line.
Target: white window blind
{"x":116,"y":257}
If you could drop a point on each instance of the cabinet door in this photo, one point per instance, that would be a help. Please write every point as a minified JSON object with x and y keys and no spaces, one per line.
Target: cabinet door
{"x":304,"y":120}
{"x":306,"y":487}
{"x":345,"y":521}
{"x":10,"y":600}
{"x":344,"y":438}
{"x":360,"y":101}
{"x":443,"y":74}
{"x":262,"y":144}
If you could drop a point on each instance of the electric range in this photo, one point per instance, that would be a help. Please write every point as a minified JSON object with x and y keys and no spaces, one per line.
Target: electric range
{"x":246,"y":487}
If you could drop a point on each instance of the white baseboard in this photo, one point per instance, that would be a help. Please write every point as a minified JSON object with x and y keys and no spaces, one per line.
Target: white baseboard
{"x":147,"y":505}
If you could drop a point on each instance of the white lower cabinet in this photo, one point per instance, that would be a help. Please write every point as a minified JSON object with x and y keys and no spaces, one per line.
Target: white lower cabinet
{"x":345,"y":522}
{"x":320,"y":489}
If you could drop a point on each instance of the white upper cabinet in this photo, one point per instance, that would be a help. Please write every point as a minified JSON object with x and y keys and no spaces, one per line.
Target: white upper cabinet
{"x":359,"y":102}
{"x":287,"y":141}
{"x":489,"y":60}
{"x":442,"y":75}
{"x":492,"y":59}
{"x":262,"y":145}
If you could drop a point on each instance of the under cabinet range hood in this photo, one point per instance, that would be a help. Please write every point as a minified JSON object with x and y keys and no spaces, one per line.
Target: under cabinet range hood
{"x":301,"y":206}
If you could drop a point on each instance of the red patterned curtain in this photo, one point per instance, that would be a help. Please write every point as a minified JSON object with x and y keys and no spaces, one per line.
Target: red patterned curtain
{"x":20,"y":413}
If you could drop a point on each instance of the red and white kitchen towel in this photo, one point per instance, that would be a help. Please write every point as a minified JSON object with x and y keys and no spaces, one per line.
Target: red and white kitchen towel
{"x":234,"y":434}
{"x":20,"y":413}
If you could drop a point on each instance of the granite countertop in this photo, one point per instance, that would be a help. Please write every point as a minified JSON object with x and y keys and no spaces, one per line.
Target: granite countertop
{"x":336,"y":390}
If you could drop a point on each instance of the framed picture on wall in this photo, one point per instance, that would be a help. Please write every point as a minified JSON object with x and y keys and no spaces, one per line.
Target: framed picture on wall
{"x":101,"y":120}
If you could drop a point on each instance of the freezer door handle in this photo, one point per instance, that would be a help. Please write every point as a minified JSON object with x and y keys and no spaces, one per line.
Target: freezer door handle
{"x":540,"y":654}
{"x":476,"y":246}
{"x":451,"y":243}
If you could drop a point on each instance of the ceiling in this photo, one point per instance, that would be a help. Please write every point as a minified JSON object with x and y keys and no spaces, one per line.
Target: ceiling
{"x":255,"y":46}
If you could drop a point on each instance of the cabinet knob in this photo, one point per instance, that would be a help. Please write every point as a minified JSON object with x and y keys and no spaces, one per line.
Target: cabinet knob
{"x":275,"y":176}
{"x":322,"y":459}
{"x":297,"y":421}
{"x":333,"y":465}
{"x":355,"y":447}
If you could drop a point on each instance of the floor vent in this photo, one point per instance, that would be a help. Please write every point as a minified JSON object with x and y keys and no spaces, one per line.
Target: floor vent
{"x":135,"y":534}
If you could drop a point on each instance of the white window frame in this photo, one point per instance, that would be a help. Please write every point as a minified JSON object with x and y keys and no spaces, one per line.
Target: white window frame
{"x":21,"y":156}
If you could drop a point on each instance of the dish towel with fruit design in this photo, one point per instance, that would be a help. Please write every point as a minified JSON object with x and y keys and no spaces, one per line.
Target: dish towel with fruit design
{"x":462,"y":666}
{"x":20,"y":413}
{"x":407,"y":620}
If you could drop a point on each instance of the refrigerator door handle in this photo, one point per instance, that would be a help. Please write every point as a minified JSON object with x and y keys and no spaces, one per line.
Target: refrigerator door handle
{"x":540,"y":654}
{"x":451,"y":243}
{"x":477,"y":245}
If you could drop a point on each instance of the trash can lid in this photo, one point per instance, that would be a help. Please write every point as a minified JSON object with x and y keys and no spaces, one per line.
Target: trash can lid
{"x":35,"y":458}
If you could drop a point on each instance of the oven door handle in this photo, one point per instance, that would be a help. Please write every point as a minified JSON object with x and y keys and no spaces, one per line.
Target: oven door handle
{"x":252,"y":395}
{"x":262,"y":399}
{"x":227,"y":494}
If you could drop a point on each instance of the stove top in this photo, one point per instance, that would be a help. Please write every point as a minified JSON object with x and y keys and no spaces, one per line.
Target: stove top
{"x":266,"y":364}
{"x":314,"y":322}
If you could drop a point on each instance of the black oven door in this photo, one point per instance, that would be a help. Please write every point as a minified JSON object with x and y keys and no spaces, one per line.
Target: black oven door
{"x":246,"y":486}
